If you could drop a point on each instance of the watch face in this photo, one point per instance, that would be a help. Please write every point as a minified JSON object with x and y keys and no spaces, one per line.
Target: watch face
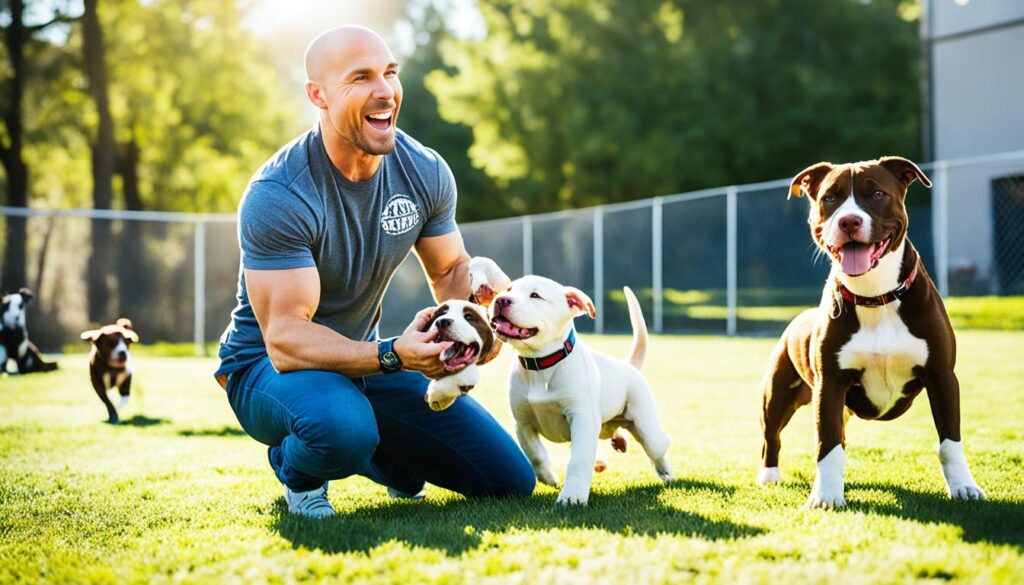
{"x":389,"y":359}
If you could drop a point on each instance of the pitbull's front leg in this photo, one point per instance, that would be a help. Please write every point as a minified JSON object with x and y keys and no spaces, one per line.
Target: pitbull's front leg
{"x":584,"y":429}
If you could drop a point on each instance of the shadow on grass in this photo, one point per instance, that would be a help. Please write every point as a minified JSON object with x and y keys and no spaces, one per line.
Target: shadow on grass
{"x":994,"y":521}
{"x":142,"y":421}
{"x":456,"y":526}
{"x":224,"y":431}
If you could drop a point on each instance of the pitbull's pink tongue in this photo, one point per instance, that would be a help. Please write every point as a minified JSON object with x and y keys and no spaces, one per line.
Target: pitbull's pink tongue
{"x":856,"y":258}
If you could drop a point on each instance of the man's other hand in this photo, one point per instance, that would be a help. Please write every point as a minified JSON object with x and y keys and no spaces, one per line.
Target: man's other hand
{"x":418,"y":350}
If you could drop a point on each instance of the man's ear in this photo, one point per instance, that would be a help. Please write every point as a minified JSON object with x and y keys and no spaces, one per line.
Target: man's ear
{"x":905,"y":170}
{"x":579,"y":302}
{"x":806,"y":182}
{"x":315,"y":94}
{"x":90,"y":335}
{"x":26,"y":294}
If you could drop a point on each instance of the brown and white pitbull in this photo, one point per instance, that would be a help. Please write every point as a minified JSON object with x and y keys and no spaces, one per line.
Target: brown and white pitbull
{"x":110,"y":365}
{"x":879,"y":336}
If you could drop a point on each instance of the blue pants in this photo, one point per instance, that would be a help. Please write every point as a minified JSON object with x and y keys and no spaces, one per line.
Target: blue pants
{"x":322,"y":426}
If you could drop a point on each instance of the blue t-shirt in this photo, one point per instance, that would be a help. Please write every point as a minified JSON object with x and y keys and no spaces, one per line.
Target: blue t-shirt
{"x":299,"y":211}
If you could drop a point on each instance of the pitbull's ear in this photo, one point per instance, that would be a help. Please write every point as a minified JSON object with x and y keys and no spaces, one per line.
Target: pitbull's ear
{"x":807,"y":181}
{"x":124,"y":323}
{"x":26,"y":294}
{"x":579,"y":302}
{"x":90,"y":335}
{"x":130,"y":335}
{"x":905,"y":170}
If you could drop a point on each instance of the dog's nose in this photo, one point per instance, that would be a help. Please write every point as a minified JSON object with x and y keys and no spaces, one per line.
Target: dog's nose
{"x":502,"y":302}
{"x":122,"y":355}
{"x":443,"y":323}
{"x":850,"y":223}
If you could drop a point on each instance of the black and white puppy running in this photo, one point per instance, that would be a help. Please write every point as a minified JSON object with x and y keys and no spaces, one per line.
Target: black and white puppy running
{"x":14,"y":342}
{"x":110,"y":365}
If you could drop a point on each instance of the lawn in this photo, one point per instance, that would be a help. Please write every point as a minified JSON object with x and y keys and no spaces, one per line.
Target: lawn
{"x":179,"y":493}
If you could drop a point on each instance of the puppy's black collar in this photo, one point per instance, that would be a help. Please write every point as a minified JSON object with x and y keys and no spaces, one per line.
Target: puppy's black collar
{"x":543,"y":363}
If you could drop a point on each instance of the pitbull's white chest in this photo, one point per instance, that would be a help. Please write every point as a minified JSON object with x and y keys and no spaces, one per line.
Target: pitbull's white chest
{"x":886,"y":352}
{"x":545,"y":407}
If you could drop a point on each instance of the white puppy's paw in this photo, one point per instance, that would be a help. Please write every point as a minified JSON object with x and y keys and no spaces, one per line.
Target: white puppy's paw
{"x":966,"y":491}
{"x":547,"y":477}
{"x":664,"y":470}
{"x":572,"y":498}
{"x":768,"y":475}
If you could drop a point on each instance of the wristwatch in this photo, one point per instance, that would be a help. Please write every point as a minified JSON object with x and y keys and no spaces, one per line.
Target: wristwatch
{"x":386,"y":356}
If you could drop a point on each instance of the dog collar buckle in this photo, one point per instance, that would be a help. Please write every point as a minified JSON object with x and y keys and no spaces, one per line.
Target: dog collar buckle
{"x":545,"y":362}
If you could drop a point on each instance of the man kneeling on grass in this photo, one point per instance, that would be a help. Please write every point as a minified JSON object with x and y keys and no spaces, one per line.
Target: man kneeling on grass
{"x":322,"y":227}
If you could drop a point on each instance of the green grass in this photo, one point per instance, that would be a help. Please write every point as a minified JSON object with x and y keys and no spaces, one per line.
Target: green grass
{"x":178,"y":493}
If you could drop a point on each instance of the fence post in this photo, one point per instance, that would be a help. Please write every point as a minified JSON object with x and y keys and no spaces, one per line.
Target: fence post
{"x":940,"y":225}
{"x":599,"y":269}
{"x":527,"y":245}
{"x":656,"y":267}
{"x":199,"y":337}
{"x":730,"y":260}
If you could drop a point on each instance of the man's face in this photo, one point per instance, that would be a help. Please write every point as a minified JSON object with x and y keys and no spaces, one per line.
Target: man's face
{"x":362,"y":96}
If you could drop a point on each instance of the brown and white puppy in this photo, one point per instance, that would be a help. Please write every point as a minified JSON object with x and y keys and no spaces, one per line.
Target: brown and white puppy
{"x":560,"y":389}
{"x":466,"y":325}
{"x":110,"y":365}
{"x":879,"y":336}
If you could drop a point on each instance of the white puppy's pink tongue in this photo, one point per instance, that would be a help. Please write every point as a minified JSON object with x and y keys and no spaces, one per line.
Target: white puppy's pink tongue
{"x":856,"y":258}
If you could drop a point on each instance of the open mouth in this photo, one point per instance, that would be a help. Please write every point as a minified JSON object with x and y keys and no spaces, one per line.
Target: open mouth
{"x":856,"y":258}
{"x":459,"y":354}
{"x":505,"y":327}
{"x":380,"y":121}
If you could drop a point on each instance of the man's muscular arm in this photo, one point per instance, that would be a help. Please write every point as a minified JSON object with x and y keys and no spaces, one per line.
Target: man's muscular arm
{"x":446,"y":264}
{"x":284,"y":302}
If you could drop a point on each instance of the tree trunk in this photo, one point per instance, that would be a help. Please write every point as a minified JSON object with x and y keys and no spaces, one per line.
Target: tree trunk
{"x":14,"y":165}
{"x":131,"y":287}
{"x":104,"y":158}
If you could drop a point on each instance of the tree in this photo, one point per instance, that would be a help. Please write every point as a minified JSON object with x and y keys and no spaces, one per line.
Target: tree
{"x":17,"y":36}
{"x":575,"y":103}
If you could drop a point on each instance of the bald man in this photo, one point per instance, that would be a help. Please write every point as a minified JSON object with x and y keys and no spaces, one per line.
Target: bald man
{"x":322,"y":227}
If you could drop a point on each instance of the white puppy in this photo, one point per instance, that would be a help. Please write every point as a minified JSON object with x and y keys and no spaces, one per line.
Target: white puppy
{"x":465,"y":324}
{"x":565,"y":392}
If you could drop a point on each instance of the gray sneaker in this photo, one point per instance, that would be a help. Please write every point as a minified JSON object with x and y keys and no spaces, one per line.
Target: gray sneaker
{"x":311,"y":504}
{"x":400,"y":495}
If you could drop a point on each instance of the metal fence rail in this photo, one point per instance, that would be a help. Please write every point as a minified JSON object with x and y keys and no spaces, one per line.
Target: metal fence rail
{"x":733,"y":260}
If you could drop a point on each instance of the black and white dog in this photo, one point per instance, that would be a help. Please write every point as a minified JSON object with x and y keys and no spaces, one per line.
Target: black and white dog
{"x":14,"y":343}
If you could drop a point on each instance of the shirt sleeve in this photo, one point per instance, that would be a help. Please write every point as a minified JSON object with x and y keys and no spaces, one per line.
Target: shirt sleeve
{"x":442,"y":213}
{"x":276,"y":229}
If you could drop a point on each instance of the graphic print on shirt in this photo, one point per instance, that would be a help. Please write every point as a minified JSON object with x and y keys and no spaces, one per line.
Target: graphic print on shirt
{"x":400,"y":215}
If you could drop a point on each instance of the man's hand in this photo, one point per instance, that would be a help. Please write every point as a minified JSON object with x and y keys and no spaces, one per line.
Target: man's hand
{"x":418,"y":350}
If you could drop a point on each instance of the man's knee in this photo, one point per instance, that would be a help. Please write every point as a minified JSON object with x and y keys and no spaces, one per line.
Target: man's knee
{"x":341,"y":439}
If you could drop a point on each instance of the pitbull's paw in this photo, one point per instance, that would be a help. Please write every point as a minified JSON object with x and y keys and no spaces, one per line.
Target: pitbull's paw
{"x":547,"y":477}
{"x":768,"y":475}
{"x":966,"y":491}
{"x":825,"y":499}
{"x":572,"y":498}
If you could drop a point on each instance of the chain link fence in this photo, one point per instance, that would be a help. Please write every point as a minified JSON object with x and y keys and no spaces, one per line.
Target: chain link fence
{"x":734,"y":260}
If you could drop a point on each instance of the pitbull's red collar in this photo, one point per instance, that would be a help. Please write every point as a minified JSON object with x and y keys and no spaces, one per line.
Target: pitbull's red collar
{"x":893,"y":295}
{"x":543,"y":363}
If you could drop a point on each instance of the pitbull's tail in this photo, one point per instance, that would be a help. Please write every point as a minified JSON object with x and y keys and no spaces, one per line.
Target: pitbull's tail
{"x":636,"y":318}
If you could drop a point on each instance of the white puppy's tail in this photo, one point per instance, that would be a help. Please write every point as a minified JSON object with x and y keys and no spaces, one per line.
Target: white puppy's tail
{"x":636,"y":318}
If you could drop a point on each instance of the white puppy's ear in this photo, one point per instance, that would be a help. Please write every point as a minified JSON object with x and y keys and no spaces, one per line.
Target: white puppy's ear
{"x":579,"y":302}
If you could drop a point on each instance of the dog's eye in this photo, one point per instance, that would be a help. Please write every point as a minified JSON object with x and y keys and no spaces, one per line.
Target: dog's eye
{"x":535,"y":296}
{"x":879,"y":194}
{"x":470,"y":317}
{"x":830,"y":198}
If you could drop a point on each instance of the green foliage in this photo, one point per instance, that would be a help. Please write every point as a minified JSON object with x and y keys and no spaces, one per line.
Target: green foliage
{"x":179,"y":493}
{"x":575,"y":103}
